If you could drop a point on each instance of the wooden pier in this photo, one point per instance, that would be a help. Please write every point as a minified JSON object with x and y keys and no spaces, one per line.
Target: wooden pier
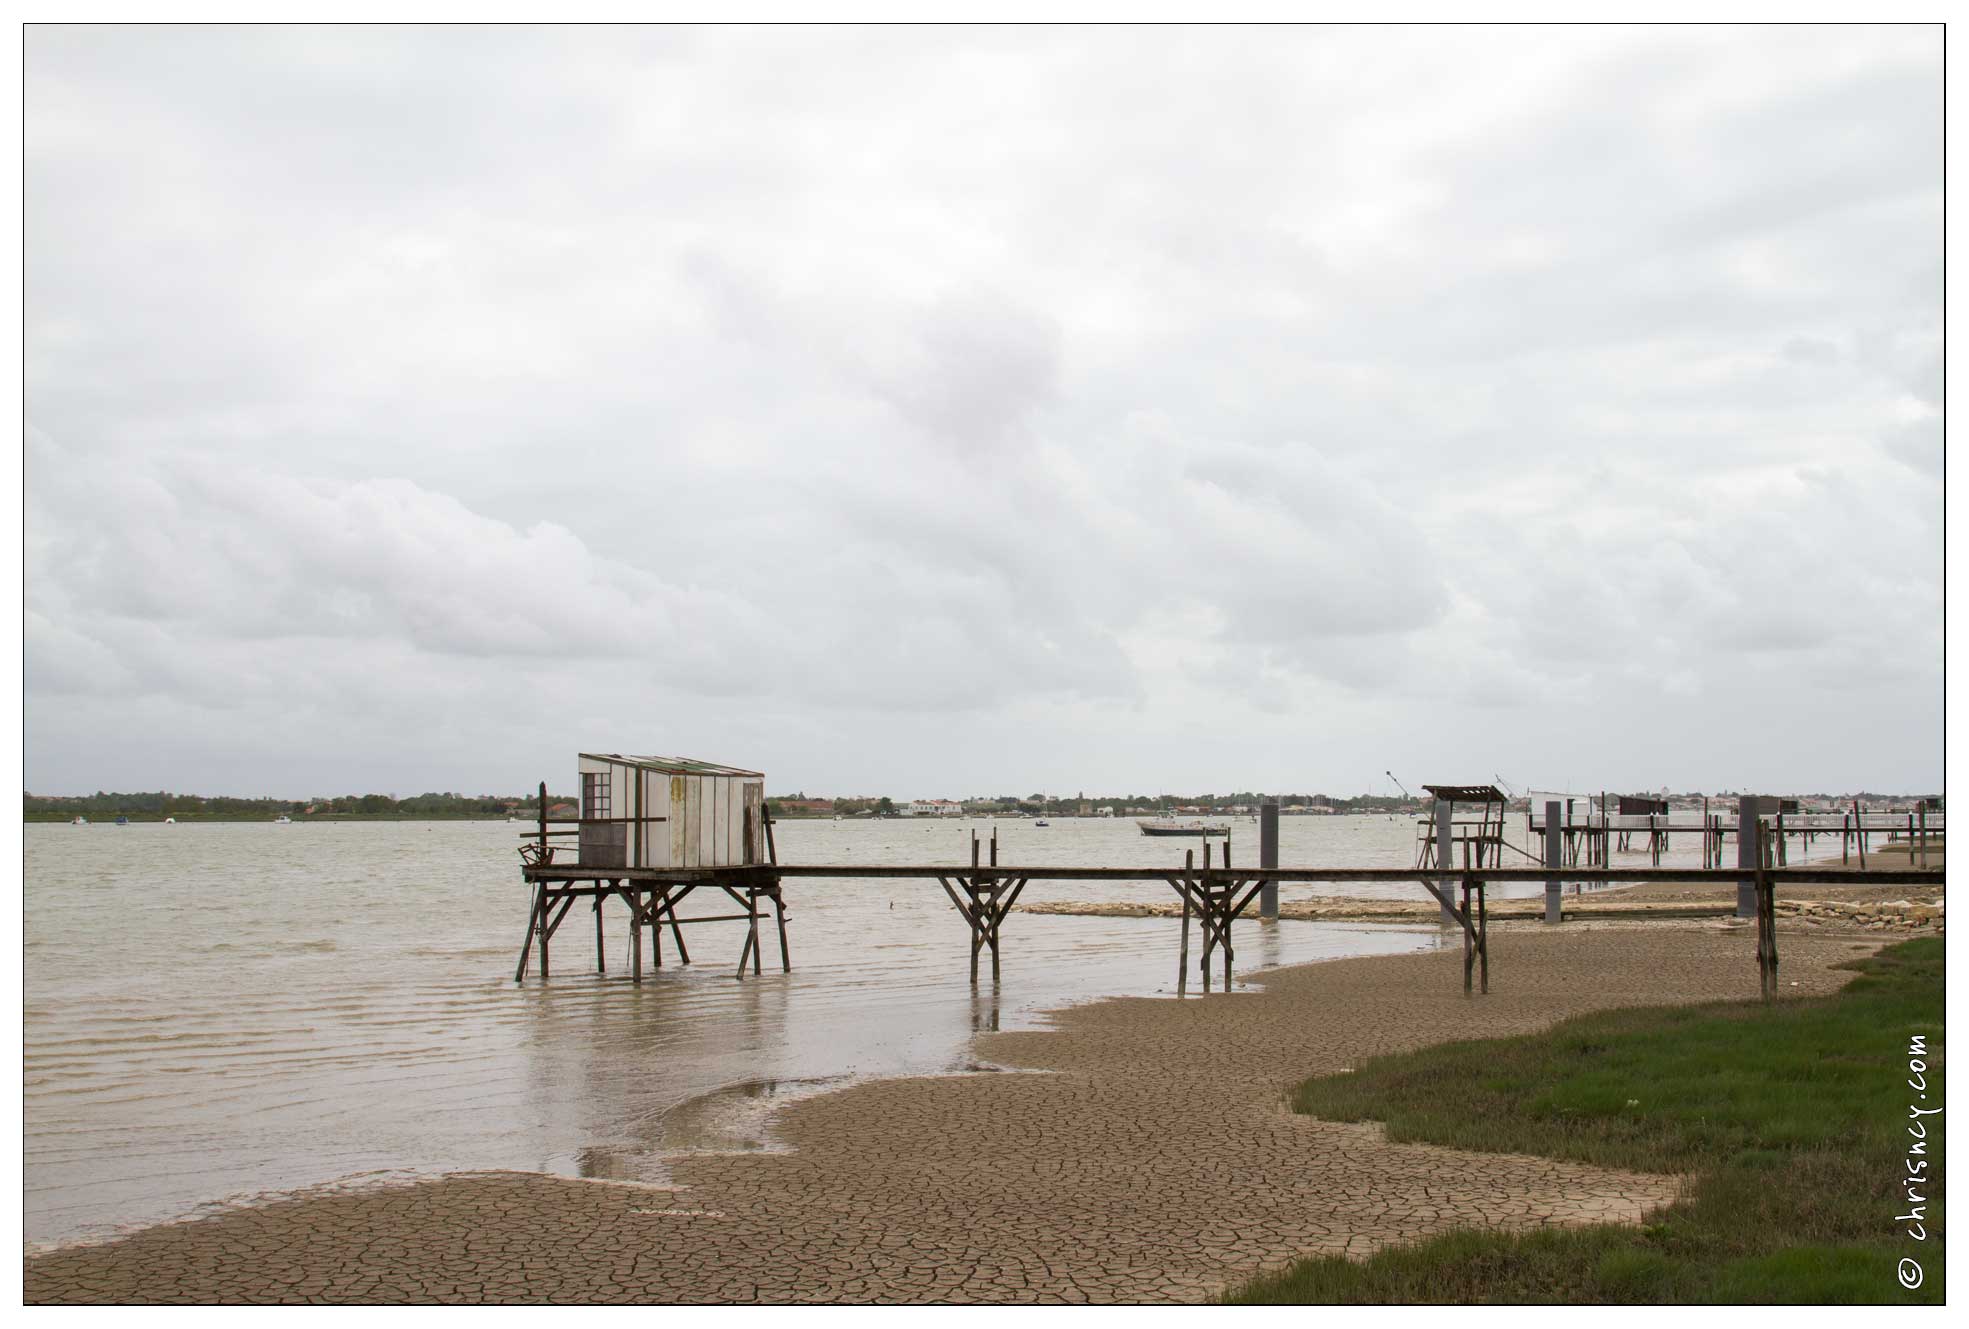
{"x":1216,"y":895}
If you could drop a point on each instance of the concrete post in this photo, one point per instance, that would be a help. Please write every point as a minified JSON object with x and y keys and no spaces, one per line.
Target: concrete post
{"x":1554,"y":849}
{"x":1445,"y":842}
{"x":1749,"y":845}
{"x":1268,"y":856}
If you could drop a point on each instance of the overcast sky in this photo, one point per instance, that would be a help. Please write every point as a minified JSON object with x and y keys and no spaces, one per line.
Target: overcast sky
{"x":940,"y":412}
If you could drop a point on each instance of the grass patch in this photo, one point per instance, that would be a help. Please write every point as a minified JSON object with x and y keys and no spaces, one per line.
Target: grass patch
{"x":1791,"y":1120}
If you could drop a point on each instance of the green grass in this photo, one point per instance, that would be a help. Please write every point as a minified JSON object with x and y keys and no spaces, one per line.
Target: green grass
{"x":1790,"y":1119}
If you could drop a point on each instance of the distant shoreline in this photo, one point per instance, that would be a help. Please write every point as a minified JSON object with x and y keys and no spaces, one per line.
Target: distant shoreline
{"x":154,"y":819}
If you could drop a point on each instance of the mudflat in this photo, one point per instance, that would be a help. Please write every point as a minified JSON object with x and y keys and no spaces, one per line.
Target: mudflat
{"x":1145,"y":1154}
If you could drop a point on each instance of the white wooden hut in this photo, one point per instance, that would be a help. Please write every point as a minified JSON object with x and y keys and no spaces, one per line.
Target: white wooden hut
{"x":669,"y":812}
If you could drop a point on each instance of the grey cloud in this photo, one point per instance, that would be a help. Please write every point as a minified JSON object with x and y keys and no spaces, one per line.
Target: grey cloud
{"x":423,"y":403}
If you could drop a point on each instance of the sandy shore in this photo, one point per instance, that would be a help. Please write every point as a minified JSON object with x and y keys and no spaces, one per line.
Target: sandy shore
{"x":1157,"y":1162}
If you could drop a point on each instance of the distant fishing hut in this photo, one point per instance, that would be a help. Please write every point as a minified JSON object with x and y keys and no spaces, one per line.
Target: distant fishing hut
{"x":1482,"y":836}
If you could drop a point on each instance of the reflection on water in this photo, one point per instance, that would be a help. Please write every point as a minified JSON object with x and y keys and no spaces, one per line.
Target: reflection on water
{"x":312,"y":1002}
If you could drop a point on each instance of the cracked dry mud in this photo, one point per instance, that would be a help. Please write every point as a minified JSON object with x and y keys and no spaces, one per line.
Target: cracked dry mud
{"x":1155,"y":1162}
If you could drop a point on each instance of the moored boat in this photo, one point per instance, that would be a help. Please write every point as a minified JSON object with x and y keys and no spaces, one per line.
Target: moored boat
{"x":1171,"y":826}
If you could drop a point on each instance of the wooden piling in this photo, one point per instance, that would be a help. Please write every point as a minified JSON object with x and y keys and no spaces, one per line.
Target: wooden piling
{"x":1469,"y":942}
{"x":532,"y":927}
{"x":635,"y":899}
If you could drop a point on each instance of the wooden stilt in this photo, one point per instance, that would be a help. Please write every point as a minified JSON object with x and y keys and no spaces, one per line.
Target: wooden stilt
{"x":532,"y":926}
{"x":601,"y":950}
{"x":752,"y":908}
{"x":546,"y":934}
{"x":1183,"y":956}
{"x":676,"y":929}
{"x":1469,"y":941}
{"x":635,"y":901}
{"x":779,"y":916}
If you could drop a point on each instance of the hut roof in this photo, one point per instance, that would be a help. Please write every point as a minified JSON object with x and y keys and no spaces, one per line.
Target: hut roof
{"x":672,"y":765}
{"x":1467,"y":793}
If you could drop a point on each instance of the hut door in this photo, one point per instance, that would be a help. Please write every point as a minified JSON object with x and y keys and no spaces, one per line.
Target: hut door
{"x":754,"y":795}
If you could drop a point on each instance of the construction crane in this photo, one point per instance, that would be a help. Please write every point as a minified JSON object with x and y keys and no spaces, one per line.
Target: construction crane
{"x":1399,"y":785}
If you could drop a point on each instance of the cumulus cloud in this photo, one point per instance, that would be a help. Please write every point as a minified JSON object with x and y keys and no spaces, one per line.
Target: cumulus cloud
{"x":938,"y":410}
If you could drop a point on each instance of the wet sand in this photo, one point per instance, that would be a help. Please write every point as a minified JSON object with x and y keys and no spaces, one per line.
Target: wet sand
{"x":1156,"y":1161}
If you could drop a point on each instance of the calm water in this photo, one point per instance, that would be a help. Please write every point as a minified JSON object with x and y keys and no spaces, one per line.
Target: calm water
{"x":215,"y":1011}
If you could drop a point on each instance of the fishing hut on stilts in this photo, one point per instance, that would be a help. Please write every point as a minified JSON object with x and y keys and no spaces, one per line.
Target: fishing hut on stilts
{"x":650,"y":832}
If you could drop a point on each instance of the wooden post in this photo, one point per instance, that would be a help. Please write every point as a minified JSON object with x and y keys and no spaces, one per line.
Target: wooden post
{"x":1268,"y":856}
{"x":668,"y":906}
{"x":1445,"y":834}
{"x":1483,"y":938}
{"x":601,"y":951}
{"x":1924,"y":832}
{"x":532,"y":925}
{"x":652,"y":911}
{"x":992,"y":915}
{"x":1749,"y":851}
{"x":546,"y":930}
{"x":779,"y":914}
{"x":635,"y":898}
{"x":1767,"y":934}
{"x":1183,"y":958}
{"x":1469,"y":942}
{"x":1552,"y":852}
{"x":1859,"y":832}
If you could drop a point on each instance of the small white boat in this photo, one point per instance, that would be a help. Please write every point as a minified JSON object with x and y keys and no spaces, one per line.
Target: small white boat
{"x":1042,"y":823}
{"x":283,"y":820}
{"x":170,"y":821}
{"x":80,"y":821}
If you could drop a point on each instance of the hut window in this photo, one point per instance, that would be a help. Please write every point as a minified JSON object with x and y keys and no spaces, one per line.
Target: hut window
{"x":594,"y":795}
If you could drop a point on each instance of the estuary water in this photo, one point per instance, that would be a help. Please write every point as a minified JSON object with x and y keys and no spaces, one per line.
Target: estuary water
{"x":215,"y":1012}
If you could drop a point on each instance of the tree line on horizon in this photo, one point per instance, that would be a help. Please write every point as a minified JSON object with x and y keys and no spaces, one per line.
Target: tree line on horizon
{"x":194,"y":807}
